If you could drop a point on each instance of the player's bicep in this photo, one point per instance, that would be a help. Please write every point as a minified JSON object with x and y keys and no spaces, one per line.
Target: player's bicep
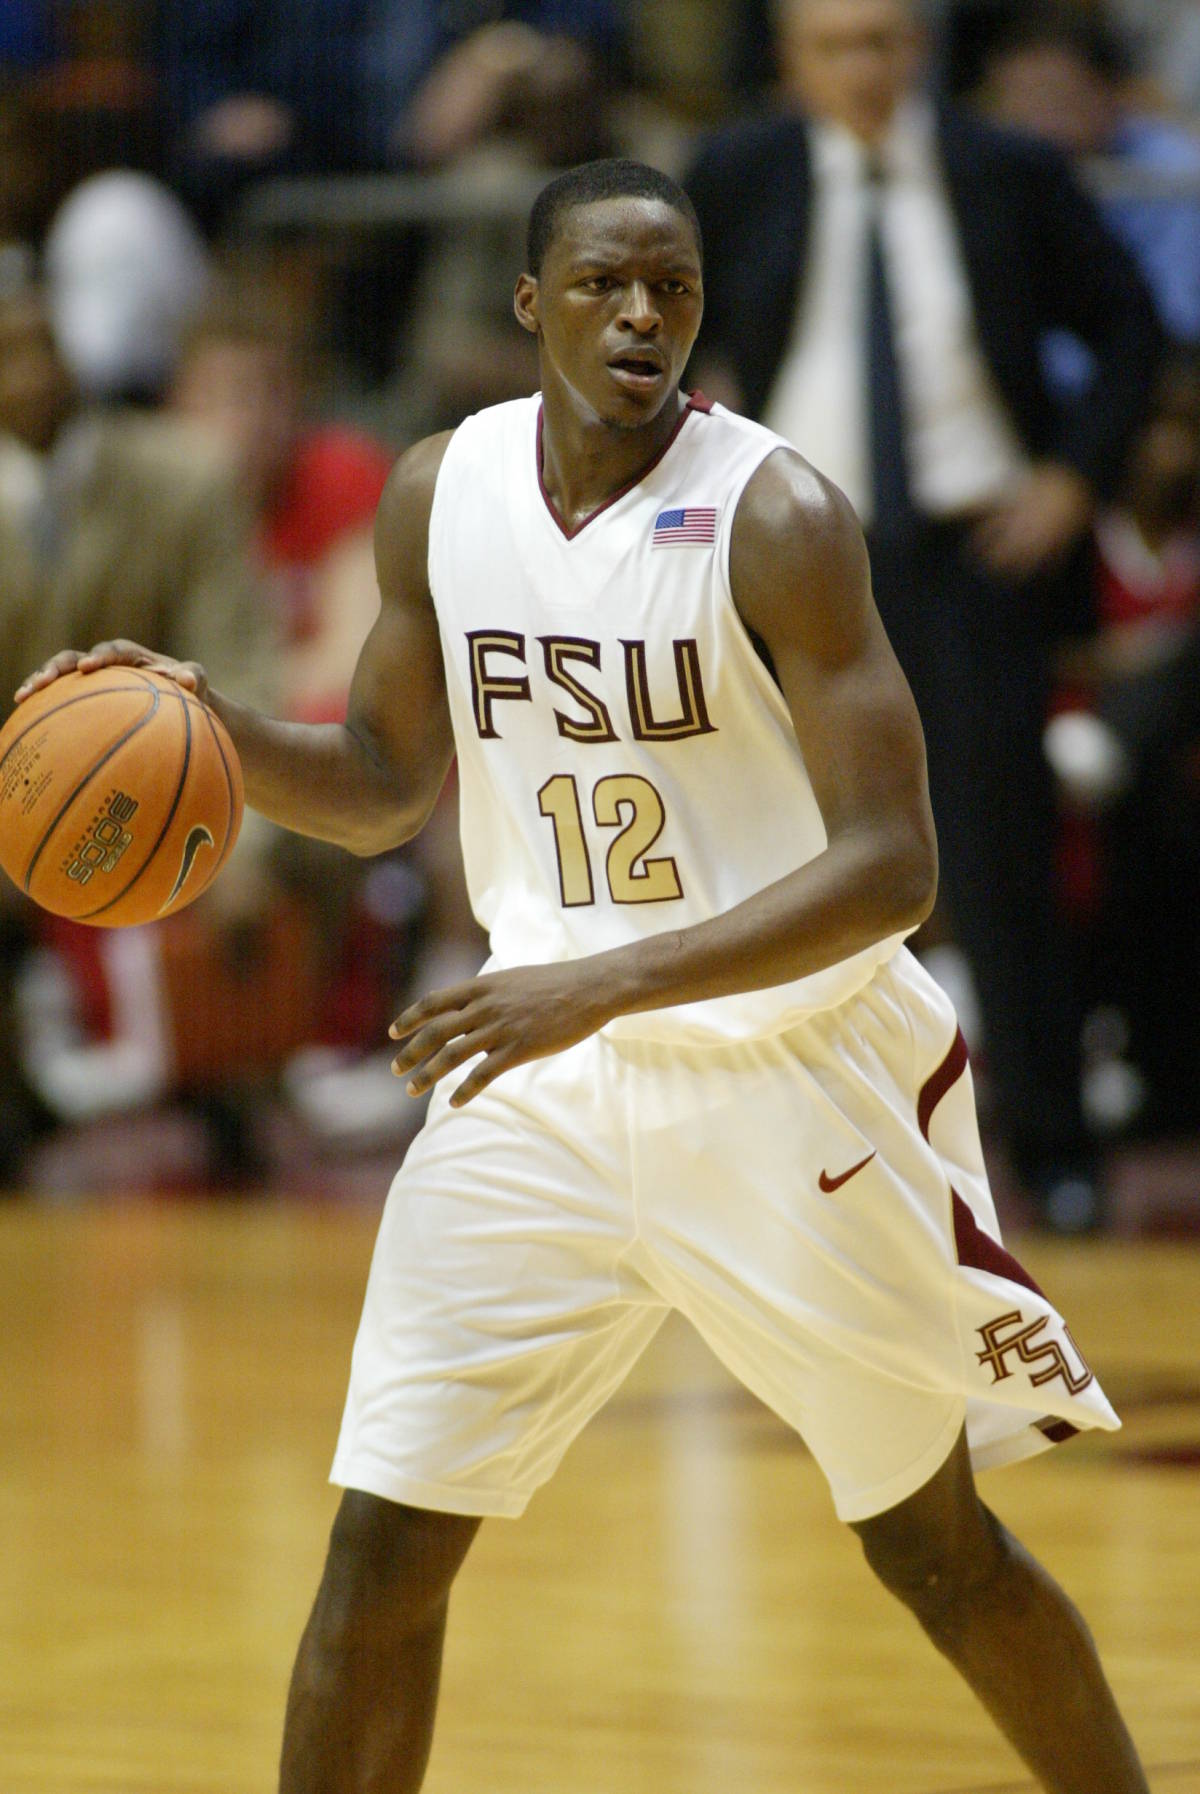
{"x":802,"y":580}
{"x":398,"y":708}
{"x":860,"y":735}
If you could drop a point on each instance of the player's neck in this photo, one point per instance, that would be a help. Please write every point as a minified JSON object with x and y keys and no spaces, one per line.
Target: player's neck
{"x":585,"y":461}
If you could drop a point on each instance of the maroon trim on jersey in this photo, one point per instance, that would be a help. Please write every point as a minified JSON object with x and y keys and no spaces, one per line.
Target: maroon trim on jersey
{"x":978,"y":1251}
{"x":696,"y":402}
{"x":940,"y":1081}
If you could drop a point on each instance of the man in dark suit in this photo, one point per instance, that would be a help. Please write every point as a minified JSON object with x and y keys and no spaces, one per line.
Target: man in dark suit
{"x":880,"y":273}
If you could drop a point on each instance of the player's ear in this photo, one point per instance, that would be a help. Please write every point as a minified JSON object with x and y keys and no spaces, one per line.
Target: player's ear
{"x":525,"y":303}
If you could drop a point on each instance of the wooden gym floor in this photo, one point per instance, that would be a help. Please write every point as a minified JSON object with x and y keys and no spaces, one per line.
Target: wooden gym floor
{"x":678,"y":1610}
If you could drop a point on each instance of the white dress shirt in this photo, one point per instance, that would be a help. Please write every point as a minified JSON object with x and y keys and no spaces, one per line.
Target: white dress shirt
{"x":962,"y":449}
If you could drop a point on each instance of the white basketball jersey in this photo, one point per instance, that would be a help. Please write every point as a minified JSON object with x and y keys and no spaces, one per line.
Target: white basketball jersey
{"x":627,"y":763}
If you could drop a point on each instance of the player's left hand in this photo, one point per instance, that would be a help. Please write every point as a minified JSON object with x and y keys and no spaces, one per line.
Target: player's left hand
{"x":509,"y":1017}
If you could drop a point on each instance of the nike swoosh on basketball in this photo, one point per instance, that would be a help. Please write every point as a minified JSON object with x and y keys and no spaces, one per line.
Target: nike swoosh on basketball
{"x":829,"y":1184}
{"x":198,"y":837}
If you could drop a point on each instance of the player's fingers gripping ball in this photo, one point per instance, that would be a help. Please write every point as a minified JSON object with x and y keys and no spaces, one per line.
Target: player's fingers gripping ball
{"x":120,"y":796}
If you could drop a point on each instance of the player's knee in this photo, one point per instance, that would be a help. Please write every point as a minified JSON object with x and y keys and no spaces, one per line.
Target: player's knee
{"x":389,"y":1568}
{"x":939,"y":1575}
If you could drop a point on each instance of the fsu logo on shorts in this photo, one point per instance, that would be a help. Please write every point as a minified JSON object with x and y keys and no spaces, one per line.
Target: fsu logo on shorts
{"x":1012,"y":1334}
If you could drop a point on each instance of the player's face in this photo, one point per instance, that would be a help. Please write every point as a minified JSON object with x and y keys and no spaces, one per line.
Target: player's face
{"x":616,"y":308}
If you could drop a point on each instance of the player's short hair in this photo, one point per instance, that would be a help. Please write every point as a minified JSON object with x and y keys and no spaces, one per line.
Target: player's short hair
{"x":615,"y":177}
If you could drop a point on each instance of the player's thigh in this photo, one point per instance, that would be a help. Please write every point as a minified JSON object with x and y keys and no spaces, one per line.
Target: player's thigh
{"x":801,"y":1220}
{"x":788,"y":1194}
{"x":500,"y":1310}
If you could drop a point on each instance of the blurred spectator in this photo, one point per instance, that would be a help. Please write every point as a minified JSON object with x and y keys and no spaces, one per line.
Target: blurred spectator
{"x":313,"y":488}
{"x":1131,"y":758}
{"x":449,"y":80}
{"x":879,"y":275}
{"x":125,"y":271}
{"x":1062,"y":75}
{"x":256,"y":89}
{"x":117,"y":524}
{"x":460,"y":351}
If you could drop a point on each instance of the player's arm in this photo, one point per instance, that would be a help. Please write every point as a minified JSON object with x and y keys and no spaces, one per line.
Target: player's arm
{"x":369,"y":783}
{"x":799,"y":575}
{"x":801,"y":581}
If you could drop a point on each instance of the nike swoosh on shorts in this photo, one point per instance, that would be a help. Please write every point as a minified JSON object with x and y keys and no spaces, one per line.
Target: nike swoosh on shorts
{"x":829,"y":1184}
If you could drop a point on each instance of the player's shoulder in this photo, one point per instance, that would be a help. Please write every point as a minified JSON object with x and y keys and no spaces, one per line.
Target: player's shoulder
{"x":789,"y":503}
{"x":402,"y":517}
{"x":794,"y":531}
{"x":781,"y":499}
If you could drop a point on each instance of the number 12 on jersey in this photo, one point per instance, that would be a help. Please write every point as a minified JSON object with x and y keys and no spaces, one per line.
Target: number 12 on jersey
{"x":622,"y":801}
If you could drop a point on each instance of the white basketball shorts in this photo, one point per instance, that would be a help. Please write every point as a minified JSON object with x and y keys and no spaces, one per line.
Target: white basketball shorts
{"x":815,"y":1202}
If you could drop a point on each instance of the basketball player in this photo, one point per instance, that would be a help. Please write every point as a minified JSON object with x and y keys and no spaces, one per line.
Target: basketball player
{"x":703,"y":1072}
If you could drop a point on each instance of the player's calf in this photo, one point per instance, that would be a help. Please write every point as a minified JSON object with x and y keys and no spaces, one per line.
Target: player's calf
{"x":939,"y":1576}
{"x":1008,"y":1629}
{"x":364,"y":1690}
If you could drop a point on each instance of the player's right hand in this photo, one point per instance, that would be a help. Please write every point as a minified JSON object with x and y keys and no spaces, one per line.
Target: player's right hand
{"x":188,"y":674}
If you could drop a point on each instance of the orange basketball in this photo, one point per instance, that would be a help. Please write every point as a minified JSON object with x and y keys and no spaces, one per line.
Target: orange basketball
{"x":120,"y":796}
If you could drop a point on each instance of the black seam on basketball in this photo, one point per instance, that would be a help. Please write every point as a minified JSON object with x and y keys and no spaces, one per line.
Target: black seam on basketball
{"x":44,"y":715}
{"x":162,"y":833}
{"x":207,"y":715}
{"x":89,"y":775}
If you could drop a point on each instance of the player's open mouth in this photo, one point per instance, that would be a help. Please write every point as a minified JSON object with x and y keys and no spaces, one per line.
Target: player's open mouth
{"x":637,"y":371}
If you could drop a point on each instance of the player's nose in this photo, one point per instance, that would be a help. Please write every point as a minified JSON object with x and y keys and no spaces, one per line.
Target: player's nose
{"x":639,"y":309}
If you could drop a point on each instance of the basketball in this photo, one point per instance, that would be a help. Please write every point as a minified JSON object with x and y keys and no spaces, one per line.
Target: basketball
{"x":120,"y":797}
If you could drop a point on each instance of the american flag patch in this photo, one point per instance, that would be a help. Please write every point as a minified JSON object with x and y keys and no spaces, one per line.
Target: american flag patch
{"x":691,"y":523}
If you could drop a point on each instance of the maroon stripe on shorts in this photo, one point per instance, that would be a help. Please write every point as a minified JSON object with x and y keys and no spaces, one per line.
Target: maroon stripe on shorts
{"x":980,"y":1252}
{"x":974,"y":1248}
{"x":940,"y":1081}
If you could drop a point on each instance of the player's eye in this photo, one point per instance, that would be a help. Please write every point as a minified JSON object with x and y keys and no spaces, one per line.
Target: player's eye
{"x":674,"y":287}
{"x":597,"y":283}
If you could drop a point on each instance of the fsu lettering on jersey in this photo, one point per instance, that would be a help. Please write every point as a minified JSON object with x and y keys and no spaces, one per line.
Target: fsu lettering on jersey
{"x":596,"y":724}
{"x":626,"y":761}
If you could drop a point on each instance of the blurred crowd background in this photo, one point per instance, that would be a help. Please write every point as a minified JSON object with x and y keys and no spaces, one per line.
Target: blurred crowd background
{"x":249,"y":249}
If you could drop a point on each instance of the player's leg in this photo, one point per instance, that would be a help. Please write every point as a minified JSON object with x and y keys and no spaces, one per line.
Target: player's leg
{"x":364,"y":1689}
{"x":499,"y":1315}
{"x":1008,"y":1629}
{"x":803,"y":1212}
